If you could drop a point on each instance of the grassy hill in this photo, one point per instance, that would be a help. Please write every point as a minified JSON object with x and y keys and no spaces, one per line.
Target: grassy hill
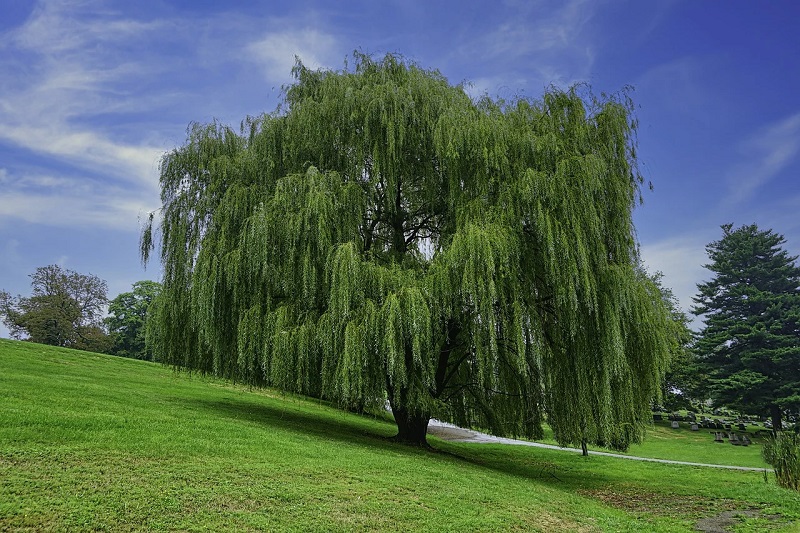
{"x":93,"y":442}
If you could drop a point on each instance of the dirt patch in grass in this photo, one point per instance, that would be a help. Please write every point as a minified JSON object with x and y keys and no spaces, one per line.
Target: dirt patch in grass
{"x":724,"y":521}
{"x":712,"y":515}
{"x":659,"y":503}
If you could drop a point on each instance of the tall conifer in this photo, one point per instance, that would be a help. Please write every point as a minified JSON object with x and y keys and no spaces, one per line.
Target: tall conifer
{"x":749,"y":346}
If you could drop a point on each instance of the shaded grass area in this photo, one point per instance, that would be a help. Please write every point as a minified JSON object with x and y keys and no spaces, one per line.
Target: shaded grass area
{"x":95,"y":442}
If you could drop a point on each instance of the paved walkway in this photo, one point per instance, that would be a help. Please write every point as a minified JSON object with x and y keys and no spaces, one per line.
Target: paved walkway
{"x":453,"y":433}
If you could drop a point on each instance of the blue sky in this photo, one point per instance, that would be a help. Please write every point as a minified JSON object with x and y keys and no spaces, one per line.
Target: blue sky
{"x":93,"y":92}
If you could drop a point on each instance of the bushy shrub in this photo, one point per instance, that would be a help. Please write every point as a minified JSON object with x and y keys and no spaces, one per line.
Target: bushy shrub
{"x":782,"y":451}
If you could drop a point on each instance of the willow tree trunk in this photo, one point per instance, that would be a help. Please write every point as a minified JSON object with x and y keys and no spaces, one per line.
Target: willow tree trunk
{"x":411,"y":427}
{"x":584,"y":439}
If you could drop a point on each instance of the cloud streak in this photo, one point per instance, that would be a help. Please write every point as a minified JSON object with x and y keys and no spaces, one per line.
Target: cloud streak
{"x":535,"y":45}
{"x":77,"y":65}
{"x":63,"y":73}
{"x":558,"y":31}
{"x":110,"y":210}
{"x":767,"y":154}
{"x":275,"y":52}
{"x":76,"y":117}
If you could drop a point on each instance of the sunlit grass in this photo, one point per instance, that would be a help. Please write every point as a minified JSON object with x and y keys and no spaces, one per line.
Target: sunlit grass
{"x":92,"y":442}
{"x":683,"y":444}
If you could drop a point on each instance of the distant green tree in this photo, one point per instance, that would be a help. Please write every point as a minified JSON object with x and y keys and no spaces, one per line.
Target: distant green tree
{"x":127,"y":320}
{"x":749,"y":346}
{"x":385,"y":236}
{"x":65,"y":309}
{"x":681,"y":381}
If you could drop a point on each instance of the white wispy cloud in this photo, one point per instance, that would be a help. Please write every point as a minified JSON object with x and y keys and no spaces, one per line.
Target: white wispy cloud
{"x":75,"y":65}
{"x":111,"y":210}
{"x":276,"y":51}
{"x":91,"y":150}
{"x":557,"y":30}
{"x":536,"y":45}
{"x":681,"y":260}
{"x":677,"y":85}
{"x":35,"y":182}
{"x":83,"y":89}
{"x":767,"y":154}
{"x":61,"y":27}
{"x":65,"y":70}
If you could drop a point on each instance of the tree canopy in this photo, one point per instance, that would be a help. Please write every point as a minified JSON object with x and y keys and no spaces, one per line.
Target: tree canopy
{"x":383,"y":236}
{"x":65,"y":309}
{"x":749,"y":346}
{"x":127,"y":320}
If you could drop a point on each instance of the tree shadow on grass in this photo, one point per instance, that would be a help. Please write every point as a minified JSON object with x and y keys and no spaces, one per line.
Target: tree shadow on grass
{"x":530,"y":463}
{"x":376,"y":432}
{"x":327,"y":424}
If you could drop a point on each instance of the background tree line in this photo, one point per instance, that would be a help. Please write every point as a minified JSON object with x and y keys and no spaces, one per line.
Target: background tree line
{"x":68,"y":309}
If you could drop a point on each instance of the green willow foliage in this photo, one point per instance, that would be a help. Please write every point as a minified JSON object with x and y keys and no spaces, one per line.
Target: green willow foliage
{"x":384,"y":236}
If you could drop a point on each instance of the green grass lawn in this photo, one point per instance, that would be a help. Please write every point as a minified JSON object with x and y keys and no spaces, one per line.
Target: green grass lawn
{"x":93,"y":442}
{"x":683,"y":444}
{"x":663,"y":442}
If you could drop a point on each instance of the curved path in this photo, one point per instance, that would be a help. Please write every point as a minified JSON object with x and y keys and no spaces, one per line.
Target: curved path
{"x":453,"y":433}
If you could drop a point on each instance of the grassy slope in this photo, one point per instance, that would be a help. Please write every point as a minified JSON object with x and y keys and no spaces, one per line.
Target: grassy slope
{"x":663,"y":442}
{"x":683,"y":444}
{"x":96,"y":442}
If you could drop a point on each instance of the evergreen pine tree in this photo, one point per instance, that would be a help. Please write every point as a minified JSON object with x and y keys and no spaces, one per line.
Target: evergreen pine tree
{"x":749,"y":346}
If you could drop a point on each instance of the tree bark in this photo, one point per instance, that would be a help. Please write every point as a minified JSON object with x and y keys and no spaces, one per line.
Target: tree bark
{"x":443,"y":370}
{"x":776,"y":415}
{"x":584,"y":440}
{"x":411,"y":427}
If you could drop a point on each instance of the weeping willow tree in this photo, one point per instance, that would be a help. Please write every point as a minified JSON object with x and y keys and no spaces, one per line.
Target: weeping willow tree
{"x":383,"y":236}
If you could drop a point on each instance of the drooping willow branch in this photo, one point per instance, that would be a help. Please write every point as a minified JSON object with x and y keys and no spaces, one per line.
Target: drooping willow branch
{"x":386,"y":237}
